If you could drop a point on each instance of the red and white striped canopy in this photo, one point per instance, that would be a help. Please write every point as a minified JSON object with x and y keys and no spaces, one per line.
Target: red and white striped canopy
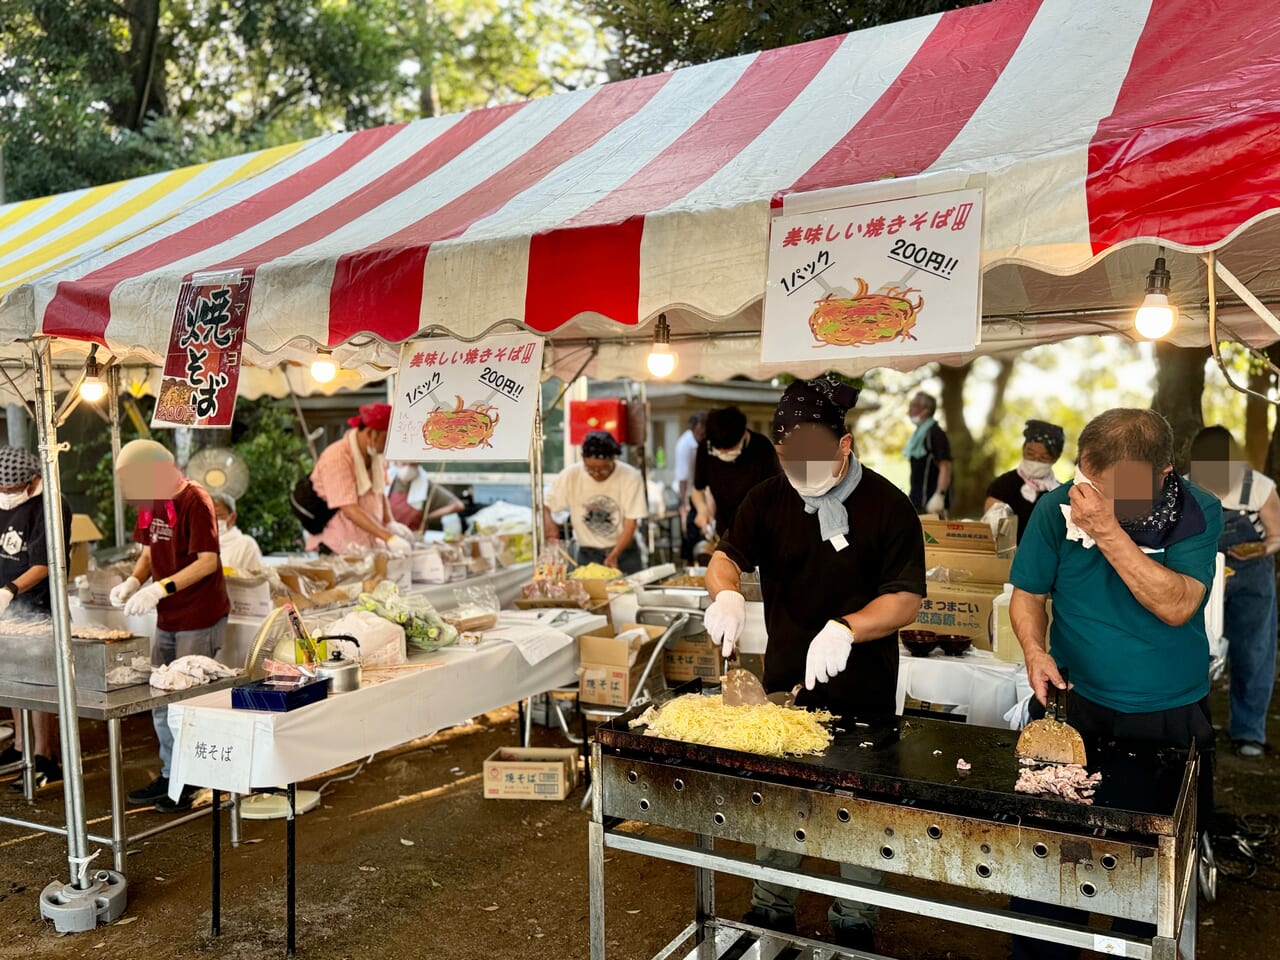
{"x":1096,"y":125}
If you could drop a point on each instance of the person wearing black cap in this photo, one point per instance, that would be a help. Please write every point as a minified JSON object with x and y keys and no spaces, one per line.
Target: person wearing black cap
{"x":24,"y":573}
{"x":606,"y":501}
{"x":731,"y":462}
{"x":1021,"y":487}
{"x":841,"y":559}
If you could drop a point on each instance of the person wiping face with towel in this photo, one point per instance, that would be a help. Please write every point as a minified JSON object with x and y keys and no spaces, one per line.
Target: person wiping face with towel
{"x":841,"y":559}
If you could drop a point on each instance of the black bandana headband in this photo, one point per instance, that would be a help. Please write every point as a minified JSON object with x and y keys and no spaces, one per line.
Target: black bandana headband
{"x":1051,"y":435}
{"x":598,"y":445}
{"x":17,"y":466}
{"x":823,"y":402}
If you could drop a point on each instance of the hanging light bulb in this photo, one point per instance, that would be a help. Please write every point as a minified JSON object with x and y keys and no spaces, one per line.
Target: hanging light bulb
{"x":93,"y":388}
{"x":323,"y":369}
{"x":661,"y":361}
{"x":1156,"y":316}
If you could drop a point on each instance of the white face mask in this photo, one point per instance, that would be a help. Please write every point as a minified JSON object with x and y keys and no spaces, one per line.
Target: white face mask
{"x":816,"y":479}
{"x":728,"y":456}
{"x":407,"y":473}
{"x":223,"y":527}
{"x":11,"y":501}
{"x":1035,"y":469}
{"x":916,"y":421}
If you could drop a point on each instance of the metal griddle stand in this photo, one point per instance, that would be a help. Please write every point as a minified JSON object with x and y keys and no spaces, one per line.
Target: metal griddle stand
{"x":634,"y":785}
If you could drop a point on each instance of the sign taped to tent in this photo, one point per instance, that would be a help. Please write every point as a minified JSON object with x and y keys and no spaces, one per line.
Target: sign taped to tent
{"x":885,"y":279}
{"x":202,"y":367}
{"x":462,"y":401}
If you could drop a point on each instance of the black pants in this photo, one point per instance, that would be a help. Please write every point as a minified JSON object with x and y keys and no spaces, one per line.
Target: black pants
{"x":690,"y":535}
{"x":1177,"y":727}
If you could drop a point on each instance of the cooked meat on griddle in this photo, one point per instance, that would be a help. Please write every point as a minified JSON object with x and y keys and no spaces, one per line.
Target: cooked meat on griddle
{"x":1070,"y":781}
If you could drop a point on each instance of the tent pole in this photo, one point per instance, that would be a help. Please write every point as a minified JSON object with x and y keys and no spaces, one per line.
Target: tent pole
{"x":69,"y":728}
{"x":535,"y":477}
{"x":113,"y":410}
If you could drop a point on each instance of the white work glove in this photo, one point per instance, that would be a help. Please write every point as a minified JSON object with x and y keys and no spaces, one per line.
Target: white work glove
{"x":725,"y":618}
{"x":400,"y":530}
{"x":937,"y":503}
{"x":144,"y":601}
{"x":6,"y":598}
{"x":828,"y":654}
{"x":399,"y":546}
{"x":123,"y":591}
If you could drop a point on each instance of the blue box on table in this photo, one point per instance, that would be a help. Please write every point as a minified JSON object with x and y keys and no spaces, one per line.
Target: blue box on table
{"x":279,"y":695}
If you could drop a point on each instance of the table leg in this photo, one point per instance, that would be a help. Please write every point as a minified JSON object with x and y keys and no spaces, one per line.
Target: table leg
{"x":704,"y":882}
{"x":595,"y":883}
{"x":215,"y":817}
{"x":119,"y":830}
{"x":28,"y":755}
{"x":235,"y":819}
{"x":290,"y":876}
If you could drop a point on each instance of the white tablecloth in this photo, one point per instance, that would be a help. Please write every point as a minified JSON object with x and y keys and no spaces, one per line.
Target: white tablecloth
{"x":985,"y":687}
{"x":300,"y":744}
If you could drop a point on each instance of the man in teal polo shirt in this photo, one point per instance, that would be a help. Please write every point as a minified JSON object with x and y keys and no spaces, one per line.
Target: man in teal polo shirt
{"x":1127,"y":554}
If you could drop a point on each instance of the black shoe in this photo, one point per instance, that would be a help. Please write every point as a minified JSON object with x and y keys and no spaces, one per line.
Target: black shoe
{"x":858,"y":937}
{"x":757,"y":917}
{"x":47,"y":771}
{"x":188,"y":794}
{"x":156,"y":789}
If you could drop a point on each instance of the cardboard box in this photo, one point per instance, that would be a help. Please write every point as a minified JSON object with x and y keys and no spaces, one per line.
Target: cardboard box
{"x":100,"y":584}
{"x":971,"y":536}
{"x":980,"y":567}
{"x":249,"y":596}
{"x":611,"y":666}
{"x":83,"y":532}
{"x":683,"y":662}
{"x":961,"y":612}
{"x":528,"y":773}
{"x":399,"y":570}
{"x":427,"y":566}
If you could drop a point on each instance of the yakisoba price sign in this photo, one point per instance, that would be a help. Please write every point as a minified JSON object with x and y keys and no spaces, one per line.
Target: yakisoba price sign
{"x":877,"y":280}
{"x":462,"y":401}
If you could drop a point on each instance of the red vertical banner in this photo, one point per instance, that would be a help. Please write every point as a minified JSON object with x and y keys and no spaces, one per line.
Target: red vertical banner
{"x":202,"y":368}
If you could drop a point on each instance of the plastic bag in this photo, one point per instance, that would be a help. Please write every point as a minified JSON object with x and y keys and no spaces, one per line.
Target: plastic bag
{"x":423,"y":627}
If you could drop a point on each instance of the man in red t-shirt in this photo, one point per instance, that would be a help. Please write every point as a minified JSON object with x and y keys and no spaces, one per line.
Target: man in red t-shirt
{"x":178,"y":530}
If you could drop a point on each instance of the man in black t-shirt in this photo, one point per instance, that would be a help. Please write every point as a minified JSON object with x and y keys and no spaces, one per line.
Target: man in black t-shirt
{"x":841,"y":560}
{"x":24,"y":588}
{"x":731,"y":462}
{"x":1022,"y":486}
{"x":929,"y":452}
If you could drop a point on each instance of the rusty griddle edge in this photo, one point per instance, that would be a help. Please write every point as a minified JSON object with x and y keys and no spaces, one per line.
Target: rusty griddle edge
{"x":962,"y":796}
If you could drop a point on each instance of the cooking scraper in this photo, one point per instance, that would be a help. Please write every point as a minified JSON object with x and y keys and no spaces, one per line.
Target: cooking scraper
{"x":1052,"y":740}
{"x":740,"y":686}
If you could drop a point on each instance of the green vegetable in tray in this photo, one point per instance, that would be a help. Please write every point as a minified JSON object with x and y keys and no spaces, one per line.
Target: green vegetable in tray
{"x":423,"y":627}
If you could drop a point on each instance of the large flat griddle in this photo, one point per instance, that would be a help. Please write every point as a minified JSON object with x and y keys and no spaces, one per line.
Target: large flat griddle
{"x":1139,"y":794}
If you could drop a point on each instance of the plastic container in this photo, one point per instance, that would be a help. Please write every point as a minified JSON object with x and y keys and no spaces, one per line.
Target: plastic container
{"x":1004,"y":644}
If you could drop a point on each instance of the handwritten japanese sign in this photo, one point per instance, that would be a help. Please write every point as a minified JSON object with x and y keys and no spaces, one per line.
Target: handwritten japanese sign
{"x":207,"y":757}
{"x":202,"y":369}
{"x":460,"y":401}
{"x":886,"y":279}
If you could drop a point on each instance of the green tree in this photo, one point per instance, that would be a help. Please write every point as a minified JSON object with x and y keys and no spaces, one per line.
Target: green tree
{"x":268,"y":439}
{"x":656,"y":35}
{"x":99,"y":90}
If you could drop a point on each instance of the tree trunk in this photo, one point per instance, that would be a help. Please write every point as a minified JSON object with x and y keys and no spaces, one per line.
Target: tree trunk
{"x":1178,"y":395}
{"x":1257,"y":413}
{"x":973,"y":460}
{"x":146,"y":71}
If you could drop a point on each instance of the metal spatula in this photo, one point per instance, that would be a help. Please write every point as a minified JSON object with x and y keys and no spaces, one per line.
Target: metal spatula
{"x":741,"y":687}
{"x":1052,"y":739}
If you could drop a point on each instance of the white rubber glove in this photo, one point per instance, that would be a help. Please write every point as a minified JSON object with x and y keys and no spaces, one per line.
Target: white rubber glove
{"x":399,"y":546}
{"x":725,"y":618}
{"x":937,"y":503}
{"x":144,"y":601}
{"x":400,"y":530}
{"x":123,"y":591}
{"x":6,"y":598}
{"x":828,"y":654}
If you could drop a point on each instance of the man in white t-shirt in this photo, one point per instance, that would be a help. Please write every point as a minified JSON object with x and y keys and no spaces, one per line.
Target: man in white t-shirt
{"x":237,"y":549}
{"x":605,"y":500}
{"x":685,"y":460}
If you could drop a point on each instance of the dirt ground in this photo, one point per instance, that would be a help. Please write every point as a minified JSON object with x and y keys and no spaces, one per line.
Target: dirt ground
{"x":408,"y":861}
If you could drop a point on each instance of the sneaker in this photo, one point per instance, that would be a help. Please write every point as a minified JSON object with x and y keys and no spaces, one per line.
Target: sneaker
{"x":144,"y":796}
{"x":759,"y":917}
{"x":184,"y":801}
{"x":859,"y":937}
{"x":47,"y":771}
{"x":1250,"y":750}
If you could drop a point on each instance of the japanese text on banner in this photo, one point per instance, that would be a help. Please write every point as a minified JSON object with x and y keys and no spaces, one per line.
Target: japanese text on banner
{"x":202,"y":368}
{"x":884,"y":279}
{"x":218,"y":755}
{"x":466,"y":401}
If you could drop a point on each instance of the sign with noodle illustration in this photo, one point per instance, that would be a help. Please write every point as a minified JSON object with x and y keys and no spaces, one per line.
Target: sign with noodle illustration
{"x":894,"y":278}
{"x":458,"y":401}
